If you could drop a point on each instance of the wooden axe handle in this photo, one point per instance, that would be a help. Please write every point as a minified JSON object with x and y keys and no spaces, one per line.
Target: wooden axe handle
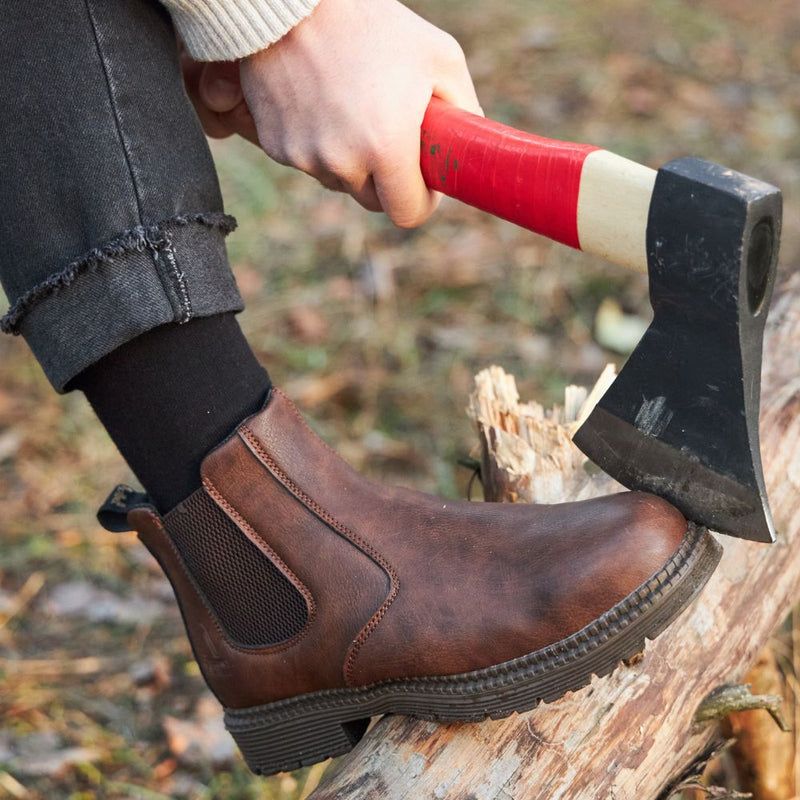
{"x":577,"y":194}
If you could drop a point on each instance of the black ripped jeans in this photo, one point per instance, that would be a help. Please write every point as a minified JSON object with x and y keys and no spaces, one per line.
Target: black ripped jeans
{"x":112,"y":220}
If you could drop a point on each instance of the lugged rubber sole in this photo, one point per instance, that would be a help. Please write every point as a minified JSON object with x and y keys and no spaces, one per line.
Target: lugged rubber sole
{"x":303,"y":730}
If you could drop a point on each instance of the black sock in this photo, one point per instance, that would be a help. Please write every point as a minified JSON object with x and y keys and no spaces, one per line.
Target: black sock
{"x":169,"y":396}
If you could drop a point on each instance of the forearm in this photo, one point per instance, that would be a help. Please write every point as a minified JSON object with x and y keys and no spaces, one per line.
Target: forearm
{"x":224,"y":30}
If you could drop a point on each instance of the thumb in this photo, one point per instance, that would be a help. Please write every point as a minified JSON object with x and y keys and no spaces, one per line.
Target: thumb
{"x":219,"y":87}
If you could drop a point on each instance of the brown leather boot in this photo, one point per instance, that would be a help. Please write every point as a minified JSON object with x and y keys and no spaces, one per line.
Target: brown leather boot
{"x":315,"y":598}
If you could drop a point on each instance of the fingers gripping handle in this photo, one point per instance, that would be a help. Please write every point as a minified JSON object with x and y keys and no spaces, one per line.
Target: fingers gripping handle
{"x":576,"y":194}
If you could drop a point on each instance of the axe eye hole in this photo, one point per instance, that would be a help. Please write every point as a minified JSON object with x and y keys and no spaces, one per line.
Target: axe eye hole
{"x":759,"y":261}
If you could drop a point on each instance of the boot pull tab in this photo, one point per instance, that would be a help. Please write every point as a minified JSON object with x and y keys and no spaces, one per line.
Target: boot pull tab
{"x":113,"y":514}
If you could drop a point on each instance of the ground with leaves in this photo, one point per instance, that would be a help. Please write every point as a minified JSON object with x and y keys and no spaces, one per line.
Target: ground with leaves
{"x":376,"y":333}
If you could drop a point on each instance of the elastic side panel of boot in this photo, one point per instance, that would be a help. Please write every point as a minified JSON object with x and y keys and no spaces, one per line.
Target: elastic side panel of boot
{"x":253,"y":601}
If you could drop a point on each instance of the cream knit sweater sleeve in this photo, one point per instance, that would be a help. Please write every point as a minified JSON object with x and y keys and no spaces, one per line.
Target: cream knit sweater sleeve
{"x":223,"y":30}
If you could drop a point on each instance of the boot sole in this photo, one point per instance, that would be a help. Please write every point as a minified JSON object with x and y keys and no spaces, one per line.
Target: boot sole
{"x":299,"y":731}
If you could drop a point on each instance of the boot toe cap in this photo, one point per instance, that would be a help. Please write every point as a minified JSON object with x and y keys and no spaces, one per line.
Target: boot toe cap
{"x":644,"y":533}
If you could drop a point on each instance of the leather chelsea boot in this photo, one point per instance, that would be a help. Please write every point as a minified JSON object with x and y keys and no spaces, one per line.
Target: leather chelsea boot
{"x":315,"y":598}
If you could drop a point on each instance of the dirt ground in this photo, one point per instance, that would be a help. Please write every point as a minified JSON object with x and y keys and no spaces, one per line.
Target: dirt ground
{"x":377,"y":334}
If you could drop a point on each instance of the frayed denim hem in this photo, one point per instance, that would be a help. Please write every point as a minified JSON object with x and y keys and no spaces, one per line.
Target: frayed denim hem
{"x":153,"y":238}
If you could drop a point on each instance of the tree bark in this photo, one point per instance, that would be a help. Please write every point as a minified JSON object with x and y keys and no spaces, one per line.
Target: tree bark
{"x":628,"y":735}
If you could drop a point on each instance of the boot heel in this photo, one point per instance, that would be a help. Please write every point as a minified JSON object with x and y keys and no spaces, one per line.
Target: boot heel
{"x":271,"y":743}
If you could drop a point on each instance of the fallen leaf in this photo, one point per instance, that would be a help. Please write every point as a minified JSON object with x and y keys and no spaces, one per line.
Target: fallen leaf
{"x":308,"y":324}
{"x":54,"y":764}
{"x":201,"y":740}
{"x":43,"y":754}
{"x":82,"y":599}
{"x":616,"y":330}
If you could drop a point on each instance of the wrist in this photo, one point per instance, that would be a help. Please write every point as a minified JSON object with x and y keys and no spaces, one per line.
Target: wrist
{"x":223,"y":30}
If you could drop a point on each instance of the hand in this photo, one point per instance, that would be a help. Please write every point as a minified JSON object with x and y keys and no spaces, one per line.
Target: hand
{"x":343,"y":94}
{"x":216,"y":93}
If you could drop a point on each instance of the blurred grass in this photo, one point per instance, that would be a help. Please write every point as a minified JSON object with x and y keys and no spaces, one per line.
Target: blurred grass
{"x":376,"y":333}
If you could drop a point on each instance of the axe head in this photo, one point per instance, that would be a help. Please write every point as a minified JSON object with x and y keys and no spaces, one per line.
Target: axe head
{"x":681,"y":419}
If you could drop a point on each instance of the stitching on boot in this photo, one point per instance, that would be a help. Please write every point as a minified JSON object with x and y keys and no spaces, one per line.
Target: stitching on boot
{"x":363,"y":545}
{"x":138,"y":239}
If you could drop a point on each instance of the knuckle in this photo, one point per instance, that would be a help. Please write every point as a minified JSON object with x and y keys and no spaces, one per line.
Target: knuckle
{"x":451,"y":50}
{"x":328,"y":160}
{"x":379,"y":140}
{"x":408,"y":222}
{"x":334,"y":167}
{"x":408,"y":219}
{"x":407,"y":212}
{"x":287,"y":152}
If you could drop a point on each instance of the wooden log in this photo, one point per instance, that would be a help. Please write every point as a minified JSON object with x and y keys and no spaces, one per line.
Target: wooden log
{"x":628,"y":735}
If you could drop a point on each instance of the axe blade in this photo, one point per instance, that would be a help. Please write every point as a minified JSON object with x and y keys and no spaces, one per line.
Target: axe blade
{"x":681,"y":419}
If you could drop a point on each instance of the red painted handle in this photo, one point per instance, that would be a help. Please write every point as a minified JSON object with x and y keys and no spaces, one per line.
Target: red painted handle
{"x":526,"y":179}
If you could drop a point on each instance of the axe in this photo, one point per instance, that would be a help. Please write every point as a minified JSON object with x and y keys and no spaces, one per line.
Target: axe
{"x":681,"y":419}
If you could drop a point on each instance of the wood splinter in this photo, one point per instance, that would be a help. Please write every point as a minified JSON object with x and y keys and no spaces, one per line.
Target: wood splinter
{"x":730,"y":698}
